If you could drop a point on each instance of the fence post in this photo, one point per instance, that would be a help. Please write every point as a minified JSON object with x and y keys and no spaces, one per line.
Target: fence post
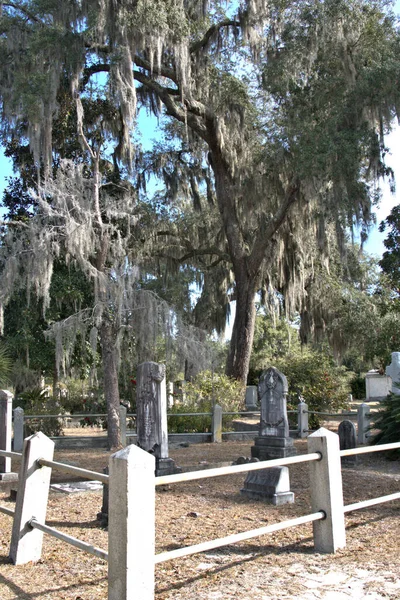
{"x":6,"y":399}
{"x":363,"y":423}
{"x":216,"y":427}
{"x":327,"y":491}
{"x":33,"y":492}
{"x":302,"y":419}
{"x":18,"y":443}
{"x":131,"y":525}
{"x":122,"y":421}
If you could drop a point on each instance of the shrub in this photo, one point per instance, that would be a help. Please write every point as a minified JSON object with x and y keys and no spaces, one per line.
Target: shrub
{"x":388,"y":424}
{"x":314,"y":376}
{"x":36,"y":401}
{"x":201,"y":394}
{"x":357,"y":386}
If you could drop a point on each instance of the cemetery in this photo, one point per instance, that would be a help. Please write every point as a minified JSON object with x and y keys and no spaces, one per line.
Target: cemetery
{"x":199,"y":354}
{"x":211,"y":516}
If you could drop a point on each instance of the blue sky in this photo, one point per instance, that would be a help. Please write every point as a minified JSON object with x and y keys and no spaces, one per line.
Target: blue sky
{"x":374,"y":244}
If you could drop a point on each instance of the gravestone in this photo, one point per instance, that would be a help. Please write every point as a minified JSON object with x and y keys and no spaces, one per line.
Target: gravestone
{"x":6,"y":399}
{"x":271,"y":485}
{"x":377,"y":386}
{"x":347,"y":440}
{"x":251,"y":397}
{"x":273,"y":440}
{"x":393,"y":371}
{"x":151,"y":410}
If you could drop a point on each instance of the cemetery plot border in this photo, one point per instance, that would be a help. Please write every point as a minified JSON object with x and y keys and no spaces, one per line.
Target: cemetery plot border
{"x":133,"y":469}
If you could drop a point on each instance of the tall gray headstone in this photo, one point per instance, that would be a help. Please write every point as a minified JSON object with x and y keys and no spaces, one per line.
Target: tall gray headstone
{"x":6,"y":399}
{"x":393,"y":371}
{"x":151,"y":410}
{"x":273,"y":440}
{"x":347,"y":440}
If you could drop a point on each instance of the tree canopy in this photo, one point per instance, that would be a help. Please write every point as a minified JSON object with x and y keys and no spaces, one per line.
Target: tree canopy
{"x":276,"y":114}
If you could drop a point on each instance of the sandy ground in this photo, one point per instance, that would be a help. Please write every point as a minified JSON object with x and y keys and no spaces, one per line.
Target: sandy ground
{"x":276,"y":566}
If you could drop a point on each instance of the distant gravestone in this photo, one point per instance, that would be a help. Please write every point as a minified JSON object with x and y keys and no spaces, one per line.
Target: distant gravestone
{"x":151,"y":410}
{"x":377,"y":386}
{"x":347,"y":440}
{"x":251,"y":397}
{"x":273,"y":440}
{"x":393,"y":371}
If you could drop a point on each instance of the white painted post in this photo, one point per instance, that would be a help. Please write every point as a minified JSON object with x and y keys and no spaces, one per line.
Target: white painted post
{"x":131,"y":525}
{"x":6,"y":399}
{"x":302,"y":419}
{"x":18,"y":442}
{"x":33,"y":491}
{"x":363,"y":423}
{"x":327,"y":491}
{"x":122,"y":421}
{"x":216,"y":426}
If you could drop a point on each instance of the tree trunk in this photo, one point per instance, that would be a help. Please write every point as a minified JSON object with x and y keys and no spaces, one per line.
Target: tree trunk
{"x":241,"y":344}
{"x":109,"y":355}
{"x":245,"y":267}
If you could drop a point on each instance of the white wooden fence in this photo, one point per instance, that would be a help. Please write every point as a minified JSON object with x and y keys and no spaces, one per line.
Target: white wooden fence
{"x":131,"y":533}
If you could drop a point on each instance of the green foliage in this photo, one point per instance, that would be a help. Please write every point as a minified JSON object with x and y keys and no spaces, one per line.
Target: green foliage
{"x":272,"y":341}
{"x":81,"y":397}
{"x":5,"y":365}
{"x":388,"y":424}
{"x":201,"y":394}
{"x":390,"y":263}
{"x":314,"y":376}
{"x":37,"y":402}
{"x":357,"y":386}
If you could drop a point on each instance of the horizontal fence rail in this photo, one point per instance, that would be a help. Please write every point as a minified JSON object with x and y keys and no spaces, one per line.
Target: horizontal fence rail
{"x":368,"y":449}
{"x":237,"y":537}
{"x":371,"y":502}
{"x":69,"y":539}
{"x":75,"y":470}
{"x":7,"y":511}
{"x":8,"y":454}
{"x":234,"y":469}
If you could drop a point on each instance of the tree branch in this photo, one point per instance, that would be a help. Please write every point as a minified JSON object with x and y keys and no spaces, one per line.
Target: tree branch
{"x":214,"y":29}
{"x":24,"y":10}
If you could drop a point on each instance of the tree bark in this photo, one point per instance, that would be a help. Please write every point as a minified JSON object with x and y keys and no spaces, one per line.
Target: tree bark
{"x":109,"y":356}
{"x":241,"y":344}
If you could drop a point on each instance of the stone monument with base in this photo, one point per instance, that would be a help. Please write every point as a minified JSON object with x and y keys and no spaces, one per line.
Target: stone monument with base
{"x":151,"y":410}
{"x":273,"y":440}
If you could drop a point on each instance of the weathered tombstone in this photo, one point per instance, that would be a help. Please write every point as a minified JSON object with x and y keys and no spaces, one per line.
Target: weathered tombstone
{"x":393,"y":371}
{"x":151,"y":410}
{"x":273,"y":440}
{"x":347,"y":440}
{"x":251,"y":397}
{"x":377,"y":386}
{"x":6,"y":399}
{"x":271,"y":485}
{"x":18,"y":442}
